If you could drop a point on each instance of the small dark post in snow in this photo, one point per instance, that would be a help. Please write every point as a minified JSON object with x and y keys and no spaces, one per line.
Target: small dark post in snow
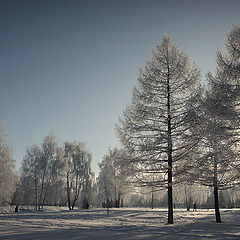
{"x":16,"y":208}
{"x":195,"y":206}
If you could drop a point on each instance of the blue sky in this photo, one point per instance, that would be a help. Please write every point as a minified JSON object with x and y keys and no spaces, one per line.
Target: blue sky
{"x":68,"y":67}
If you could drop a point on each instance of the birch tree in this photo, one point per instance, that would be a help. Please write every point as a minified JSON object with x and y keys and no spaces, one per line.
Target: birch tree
{"x":112,"y":179}
{"x":77,"y":170}
{"x":42,"y":166}
{"x":152,"y":127}
{"x":106,"y":177}
{"x":30,"y":173}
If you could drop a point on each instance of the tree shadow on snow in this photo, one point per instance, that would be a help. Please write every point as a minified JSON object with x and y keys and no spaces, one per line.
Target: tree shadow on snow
{"x":204,"y":228}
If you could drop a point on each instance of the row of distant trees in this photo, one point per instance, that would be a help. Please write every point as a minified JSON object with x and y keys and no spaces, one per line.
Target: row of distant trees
{"x":117,"y":181}
{"x":55,"y":175}
{"x":49,"y":174}
{"x":62,"y":176}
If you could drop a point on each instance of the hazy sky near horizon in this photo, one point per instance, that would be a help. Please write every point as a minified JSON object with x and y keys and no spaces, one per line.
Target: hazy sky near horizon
{"x":68,"y":67}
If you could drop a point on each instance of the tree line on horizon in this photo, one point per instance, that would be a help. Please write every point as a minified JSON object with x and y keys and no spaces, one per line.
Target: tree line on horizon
{"x":176,"y":132}
{"x":57,"y":186}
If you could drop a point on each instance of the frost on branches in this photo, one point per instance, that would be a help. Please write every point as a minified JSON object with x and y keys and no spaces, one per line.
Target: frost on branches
{"x":153,"y":127}
{"x":8,"y":176}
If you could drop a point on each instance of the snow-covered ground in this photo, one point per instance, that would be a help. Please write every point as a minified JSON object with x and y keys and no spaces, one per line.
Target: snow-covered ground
{"x":125,"y":223}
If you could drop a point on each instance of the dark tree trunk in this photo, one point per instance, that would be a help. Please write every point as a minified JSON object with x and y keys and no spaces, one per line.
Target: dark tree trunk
{"x":73,"y":204}
{"x":69,"y":202}
{"x":216,"y":204}
{"x":36,"y":195}
{"x":152,"y":201}
{"x":170,"y":198}
{"x":68,"y":195}
{"x":216,"y":201}
{"x":121,"y":202}
{"x":118,"y":200}
{"x":188,"y":204}
{"x":170,"y":201}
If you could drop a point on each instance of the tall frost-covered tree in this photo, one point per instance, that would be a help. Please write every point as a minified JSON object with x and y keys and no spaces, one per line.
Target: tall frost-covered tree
{"x":7,"y":175}
{"x":153,"y":127}
{"x":226,"y":84}
{"x":216,"y":120}
{"x":219,"y":130}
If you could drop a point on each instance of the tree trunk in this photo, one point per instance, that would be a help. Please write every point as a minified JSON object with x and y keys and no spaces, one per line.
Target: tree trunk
{"x":118,"y":200}
{"x":73,"y":204}
{"x":69,"y":200}
{"x":36,"y":194}
{"x":68,"y":194}
{"x":170,"y":202}
{"x":77,"y":191}
{"x":121,"y":202}
{"x":216,"y":204}
{"x":170,"y":197}
{"x":45,"y":194}
{"x":152,"y":200}
{"x":41,"y":193}
{"x":188,"y":204}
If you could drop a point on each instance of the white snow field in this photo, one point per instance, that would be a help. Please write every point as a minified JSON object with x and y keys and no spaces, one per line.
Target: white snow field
{"x":125,"y":223}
